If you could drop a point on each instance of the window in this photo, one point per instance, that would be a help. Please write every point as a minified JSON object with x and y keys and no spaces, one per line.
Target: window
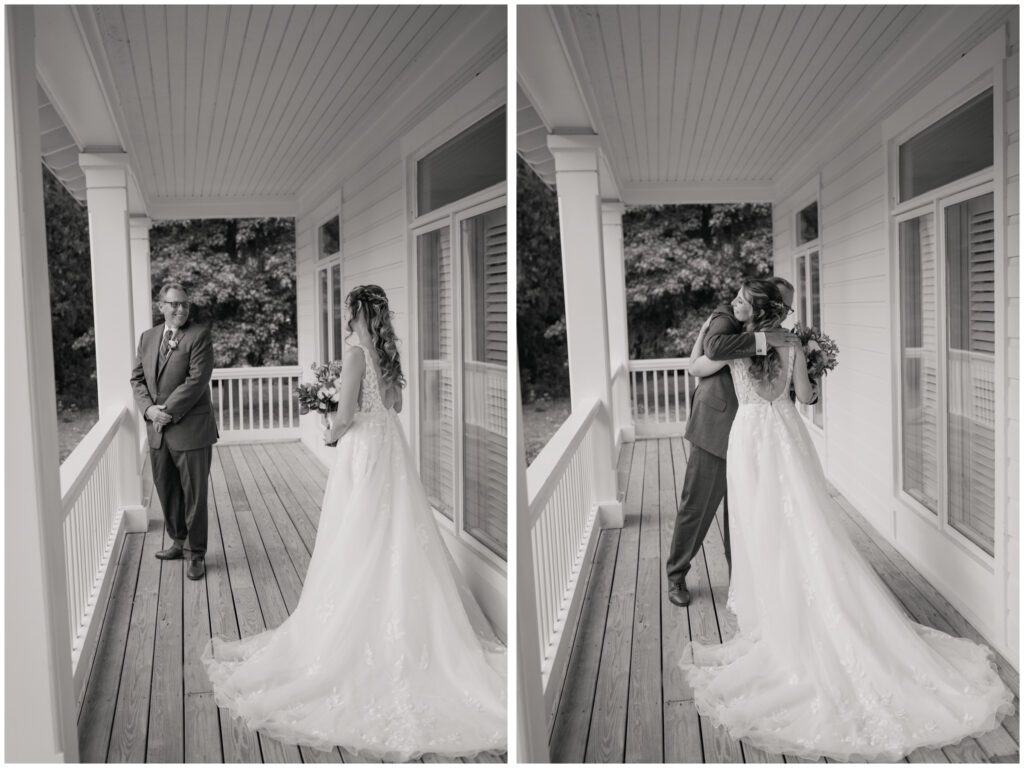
{"x":945,"y":240}
{"x":328,"y":291}
{"x":461,"y":283}
{"x":329,"y":238}
{"x":472,"y":161}
{"x":948,"y":149}
{"x":807,"y":224}
{"x":808,"y":312}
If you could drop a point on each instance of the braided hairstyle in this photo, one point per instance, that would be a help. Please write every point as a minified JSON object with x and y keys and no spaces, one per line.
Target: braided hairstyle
{"x":371,"y":302}
{"x":769,"y":310}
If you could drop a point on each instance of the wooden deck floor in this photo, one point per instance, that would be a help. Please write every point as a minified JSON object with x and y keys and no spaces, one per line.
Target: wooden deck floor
{"x":625,"y":699}
{"x":147,"y":698}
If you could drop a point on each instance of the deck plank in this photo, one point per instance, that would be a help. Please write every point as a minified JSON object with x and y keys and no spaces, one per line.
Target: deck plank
{"x":166,"y":740}
{"x":295,"y":497}
{"x":568,"y":743}
{"x":97,"y":715}
{"x":644,"y":737}
{"x":131,"y":713}
{"x":202,"y":721}
{"x":232,"y":599}
{"x":606,"y":741}
{"x":681,"y":722}
{"x":272,"y":609}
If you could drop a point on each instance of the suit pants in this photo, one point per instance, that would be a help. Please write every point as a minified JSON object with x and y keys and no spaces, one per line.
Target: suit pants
{"x":704,"y":487}
{"x":182,"y":479}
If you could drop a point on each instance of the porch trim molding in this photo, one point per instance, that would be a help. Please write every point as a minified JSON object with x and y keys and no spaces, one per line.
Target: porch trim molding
{"x":222,"y":207}
{"x":699,"y":192}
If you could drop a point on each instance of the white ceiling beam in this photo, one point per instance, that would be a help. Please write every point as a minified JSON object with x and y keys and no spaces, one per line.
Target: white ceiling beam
{"x":699,"y":192}
{"x":545,"y":74}
{"x":163,"y":208}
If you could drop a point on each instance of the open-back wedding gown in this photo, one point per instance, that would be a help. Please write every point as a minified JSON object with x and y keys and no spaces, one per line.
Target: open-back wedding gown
{"x":825,"y":661}
{"x":387,"y":652}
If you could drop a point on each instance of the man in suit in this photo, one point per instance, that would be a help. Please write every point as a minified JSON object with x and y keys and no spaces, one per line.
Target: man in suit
{"x":171,"y":380}
{"x":712,"y":411}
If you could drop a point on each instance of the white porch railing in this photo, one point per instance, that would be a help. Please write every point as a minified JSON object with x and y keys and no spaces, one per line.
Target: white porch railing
{"x":563,"y":510}
{"x":91,"y":482}
{"x":256,"y":403}
{"x":660,"y":394}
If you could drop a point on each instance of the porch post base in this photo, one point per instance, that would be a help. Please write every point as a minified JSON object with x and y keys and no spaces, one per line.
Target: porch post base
{"x":610,"y":514}
{"x":136,"y":519}
{"x":627,"y":434}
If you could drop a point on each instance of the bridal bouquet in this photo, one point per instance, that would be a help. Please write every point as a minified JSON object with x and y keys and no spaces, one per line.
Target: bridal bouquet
{"x":821,"y":351}
{"x":321,"y":395}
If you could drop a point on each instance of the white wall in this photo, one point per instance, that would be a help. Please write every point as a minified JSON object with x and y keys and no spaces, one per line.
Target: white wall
{"x":859,"y":447}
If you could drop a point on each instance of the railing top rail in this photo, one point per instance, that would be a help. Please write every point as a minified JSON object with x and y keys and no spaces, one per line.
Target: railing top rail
{"x":78,"y":467}
{"x":661,"y":364}
{"x":544,"y":473}
{"x":256,"y":371}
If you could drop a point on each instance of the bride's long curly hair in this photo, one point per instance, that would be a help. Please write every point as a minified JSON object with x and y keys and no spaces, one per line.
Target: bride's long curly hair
{"x":769,"y":312}
{"x":371,"y":302}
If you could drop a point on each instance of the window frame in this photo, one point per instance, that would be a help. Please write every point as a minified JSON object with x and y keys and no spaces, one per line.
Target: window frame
{"x":810,"y":194}
{"x":452,"y":216}
{"x":976,"y":71}
{"x":327,"y":264}
{"x":415,"y":146}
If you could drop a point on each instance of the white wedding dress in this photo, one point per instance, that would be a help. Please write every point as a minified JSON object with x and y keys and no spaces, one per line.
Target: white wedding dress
{"x":825,"y":662}
{"x":387,"y":652}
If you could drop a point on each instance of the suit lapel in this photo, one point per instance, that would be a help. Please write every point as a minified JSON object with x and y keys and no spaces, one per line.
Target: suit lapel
{"x":161,"y":364}
{"x":152,"y":360}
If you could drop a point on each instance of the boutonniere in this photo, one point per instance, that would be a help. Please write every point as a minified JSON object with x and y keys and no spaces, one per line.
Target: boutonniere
{"x":172,"y":343}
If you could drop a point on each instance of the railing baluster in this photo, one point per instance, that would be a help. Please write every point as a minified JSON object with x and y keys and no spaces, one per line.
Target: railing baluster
{"x":259,"y":394}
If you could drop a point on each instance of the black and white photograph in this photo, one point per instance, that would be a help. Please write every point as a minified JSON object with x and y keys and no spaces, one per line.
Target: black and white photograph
{"x":256,"y":383}
{"x":768,"y":318}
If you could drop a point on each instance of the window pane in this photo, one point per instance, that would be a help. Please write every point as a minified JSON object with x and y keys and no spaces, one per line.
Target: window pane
{"x":807,"y":224}
{"x":324,"y":318}
{"x":336,"y":309}
{"x":436,"y":353}
{"x":801,"y":289}
{"x":956,"y":146}
{"x":919,"y":359}
{"x":485,"y":350}
{"x":473,"y":160}
{"x":970,"y":280}
{"x":818,"y":409}
{"x":330,"y":237}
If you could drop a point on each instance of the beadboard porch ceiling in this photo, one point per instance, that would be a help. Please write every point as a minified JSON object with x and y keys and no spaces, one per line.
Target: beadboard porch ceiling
{"x":718,"y":99}
{"x":247,"y":104}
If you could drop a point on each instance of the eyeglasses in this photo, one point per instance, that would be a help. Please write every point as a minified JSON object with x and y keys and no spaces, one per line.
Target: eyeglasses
{"x":177,"y":304}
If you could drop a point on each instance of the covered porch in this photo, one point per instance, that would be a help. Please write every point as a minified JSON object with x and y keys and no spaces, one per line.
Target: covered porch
{"x":145,"y":696}
{"x":148,"y":113}
{"x":803,"y":108}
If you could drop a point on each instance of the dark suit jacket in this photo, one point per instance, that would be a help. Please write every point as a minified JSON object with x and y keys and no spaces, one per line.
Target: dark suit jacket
{"x":714,"y":404}
{"x":181,"y":383}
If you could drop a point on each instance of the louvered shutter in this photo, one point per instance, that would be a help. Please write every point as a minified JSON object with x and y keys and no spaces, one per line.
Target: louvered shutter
{"x":485,"y":328}
{"x":970,"y":259}
{"x":919,"y":359}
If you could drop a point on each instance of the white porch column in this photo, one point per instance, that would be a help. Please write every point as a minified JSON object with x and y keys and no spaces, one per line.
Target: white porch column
{"x":39,"y":719}
{"x":618,"y":334}
{"x":106,"y":178}
{"x":586,"y":310}
{"x":142,"y":289}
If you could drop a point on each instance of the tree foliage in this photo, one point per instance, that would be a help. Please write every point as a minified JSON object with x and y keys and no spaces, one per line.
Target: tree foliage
{"x":683,"y":260}
{"x":240,"y":275}
{"x":68,"y":259}
{"x":540,"y":300}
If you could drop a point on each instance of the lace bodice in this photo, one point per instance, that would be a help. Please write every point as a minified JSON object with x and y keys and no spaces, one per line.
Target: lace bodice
{"x":370,"y":399}
{"x":749,"y":391}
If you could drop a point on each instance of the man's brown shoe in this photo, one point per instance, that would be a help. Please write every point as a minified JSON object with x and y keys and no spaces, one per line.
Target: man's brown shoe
{"x":197,"y":568}
{"x":173,"y":552}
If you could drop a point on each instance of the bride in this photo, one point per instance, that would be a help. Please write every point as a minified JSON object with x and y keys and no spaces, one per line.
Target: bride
{"x":387,"y":653}
{"x":826,"y":662}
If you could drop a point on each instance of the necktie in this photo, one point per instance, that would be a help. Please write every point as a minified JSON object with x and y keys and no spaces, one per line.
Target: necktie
{"x":165,"y":346}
